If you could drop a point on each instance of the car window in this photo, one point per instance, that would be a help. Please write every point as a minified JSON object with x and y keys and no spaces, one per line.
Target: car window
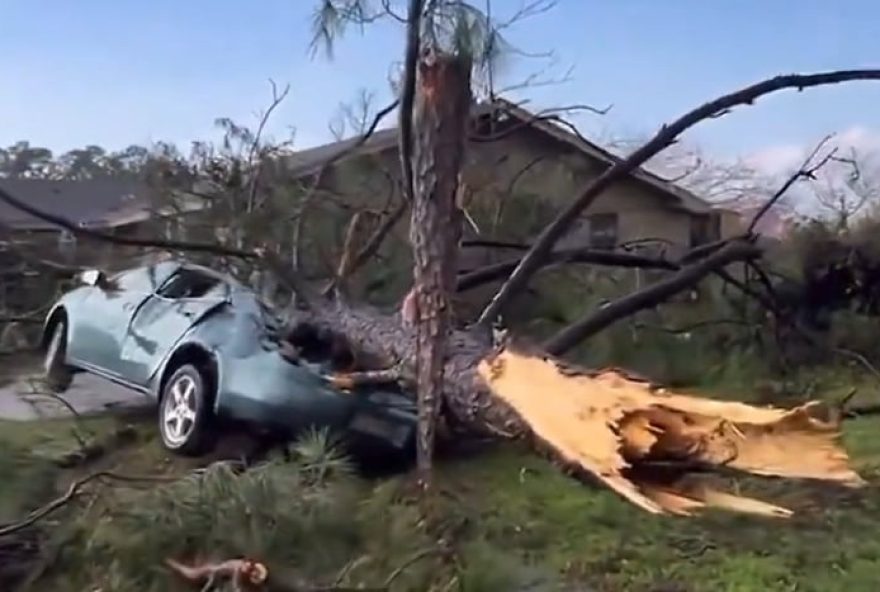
{"x":135,"y":280}
{"x":189,"y":283}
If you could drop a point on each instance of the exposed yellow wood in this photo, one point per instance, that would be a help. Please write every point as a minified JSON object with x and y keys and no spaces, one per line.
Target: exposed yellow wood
{"x":618,"y":429}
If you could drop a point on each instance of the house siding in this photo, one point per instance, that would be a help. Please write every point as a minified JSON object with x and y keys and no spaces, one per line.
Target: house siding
{"x":512,"y":187}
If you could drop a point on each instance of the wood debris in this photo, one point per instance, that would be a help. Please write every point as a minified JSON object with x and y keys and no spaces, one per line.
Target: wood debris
{"x":650,"y":445}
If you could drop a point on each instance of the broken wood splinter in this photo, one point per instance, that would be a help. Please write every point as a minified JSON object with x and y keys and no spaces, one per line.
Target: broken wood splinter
{"x":245,"y":574}
{"x":617,"y":429}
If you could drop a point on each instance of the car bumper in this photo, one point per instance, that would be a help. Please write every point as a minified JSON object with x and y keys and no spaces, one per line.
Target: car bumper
{"x":384,"y":425}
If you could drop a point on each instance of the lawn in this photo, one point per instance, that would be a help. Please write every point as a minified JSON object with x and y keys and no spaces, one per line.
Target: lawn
{"x":501,"y":520}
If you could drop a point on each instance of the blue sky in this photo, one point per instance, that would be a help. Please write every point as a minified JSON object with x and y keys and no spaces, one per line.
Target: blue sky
{"x":115,"y":72}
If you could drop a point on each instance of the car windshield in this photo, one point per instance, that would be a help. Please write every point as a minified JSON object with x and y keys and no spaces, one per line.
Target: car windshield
{"x":190,"y":283}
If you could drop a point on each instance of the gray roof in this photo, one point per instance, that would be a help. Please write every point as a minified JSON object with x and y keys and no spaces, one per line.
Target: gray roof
{"x":304,"y":162}
{"x":309,"y":161}
{"x":89,"y":202}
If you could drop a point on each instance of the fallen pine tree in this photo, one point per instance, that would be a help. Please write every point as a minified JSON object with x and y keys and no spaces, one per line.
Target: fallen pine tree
{"x":651,"y":446}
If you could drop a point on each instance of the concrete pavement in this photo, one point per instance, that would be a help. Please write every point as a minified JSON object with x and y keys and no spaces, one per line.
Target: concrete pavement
{"x":21,"y":399}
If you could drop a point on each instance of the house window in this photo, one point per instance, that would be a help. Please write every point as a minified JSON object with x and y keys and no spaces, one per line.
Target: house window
{"x":174,"y":229}
{"x":705,"y":229}
{"x":715,"y":226}
{"x":603,"y":231}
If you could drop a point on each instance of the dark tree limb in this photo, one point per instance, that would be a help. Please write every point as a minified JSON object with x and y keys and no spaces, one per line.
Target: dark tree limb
{"x":72,"y":491}
{"x":665,"y":137}
{"x":692,"y":326}
{"x":371,"y":247}
{"x":572,"y":335}
{"x":287,"y":276}
{"x":126,"y":241}
{"x":770,"y":303}
{"x":408,"y":94}
{"x":501,"y":270}
{"x":377,"y":238}
{"x":322,"y":170}
{"x":348,"y":248}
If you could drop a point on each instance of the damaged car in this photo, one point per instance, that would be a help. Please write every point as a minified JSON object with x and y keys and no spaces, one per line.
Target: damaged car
{"x":206,"y":349}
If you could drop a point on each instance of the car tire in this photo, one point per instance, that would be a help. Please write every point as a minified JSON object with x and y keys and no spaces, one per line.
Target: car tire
{"x":186,"y":417}
{"x":57,"y":374}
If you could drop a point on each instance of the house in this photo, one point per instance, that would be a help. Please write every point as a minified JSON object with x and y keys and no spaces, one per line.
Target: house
{"x":115,"y":205}
{"x":521,"y":169}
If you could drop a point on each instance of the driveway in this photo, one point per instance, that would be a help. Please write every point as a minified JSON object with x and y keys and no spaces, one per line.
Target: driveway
{"x":23,"y":398}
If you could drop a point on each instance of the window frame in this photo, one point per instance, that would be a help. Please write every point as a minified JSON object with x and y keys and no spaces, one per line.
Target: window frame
{"x":596,"y":236}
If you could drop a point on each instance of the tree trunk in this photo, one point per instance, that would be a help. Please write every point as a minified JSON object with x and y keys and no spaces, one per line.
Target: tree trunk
{"x":442,"y":106}
{"x":654,"y":448}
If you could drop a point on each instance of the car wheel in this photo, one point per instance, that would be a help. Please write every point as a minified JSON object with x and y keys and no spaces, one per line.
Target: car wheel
{"x":58,"y":375}
{"x":185,"y":414}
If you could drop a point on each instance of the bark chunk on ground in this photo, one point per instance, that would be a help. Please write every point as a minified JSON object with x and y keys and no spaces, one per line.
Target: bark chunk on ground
{"x":652,"y":446}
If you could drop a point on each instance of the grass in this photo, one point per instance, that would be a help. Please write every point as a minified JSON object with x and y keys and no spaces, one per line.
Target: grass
{"x":508,"y":521}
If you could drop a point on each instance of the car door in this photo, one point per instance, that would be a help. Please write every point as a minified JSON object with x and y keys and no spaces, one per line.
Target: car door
{"x":104,"y":315}
{"x":161,"y":320}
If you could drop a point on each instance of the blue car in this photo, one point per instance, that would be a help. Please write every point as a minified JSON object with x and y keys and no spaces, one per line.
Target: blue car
{"x":207,"y":348}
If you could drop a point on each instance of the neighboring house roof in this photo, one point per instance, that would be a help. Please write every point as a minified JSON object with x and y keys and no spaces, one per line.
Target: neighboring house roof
{"x":101,"y":203}
{"x":310,"y":161}
{"x":96,"y":203}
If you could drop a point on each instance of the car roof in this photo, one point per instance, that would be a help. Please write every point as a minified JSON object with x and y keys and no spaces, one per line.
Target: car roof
{"x":162,"y":270}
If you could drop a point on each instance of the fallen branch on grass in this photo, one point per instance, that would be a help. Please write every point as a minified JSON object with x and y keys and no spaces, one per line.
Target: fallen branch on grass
{"x":72,"y":492}
{"x":243,"y":574}
{"x":246,"y":575}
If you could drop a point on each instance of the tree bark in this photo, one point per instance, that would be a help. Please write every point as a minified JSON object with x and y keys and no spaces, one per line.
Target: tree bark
{"x":650,"y":446}
{"x":442,"y":107}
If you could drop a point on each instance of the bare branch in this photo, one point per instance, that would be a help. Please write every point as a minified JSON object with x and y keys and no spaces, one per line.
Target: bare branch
{"x":664,"y":138}
{"x":375,"y":241}
{"x":386,"y":6}
{"x":497,"y":271}
{"x":572,"y":335}
{"x":325,"y":166}
{"x":408,"y":94}
{"x":551,"y":114}
{"x":277,"y":99}
{"x":72,"y":491}
{"x":534,"y":80}
{"x":770,"y":304}
{"x":528,"y":10}
{"x":692,"y":326}
{"x":805,"y":171}
{"x":287,"y":276}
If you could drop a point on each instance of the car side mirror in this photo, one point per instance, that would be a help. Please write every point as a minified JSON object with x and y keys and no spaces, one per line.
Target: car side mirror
{"x":92,"y":277}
